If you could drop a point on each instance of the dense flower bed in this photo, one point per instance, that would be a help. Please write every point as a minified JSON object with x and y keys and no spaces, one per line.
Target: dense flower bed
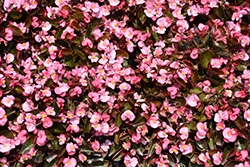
{"x":124,"y":83}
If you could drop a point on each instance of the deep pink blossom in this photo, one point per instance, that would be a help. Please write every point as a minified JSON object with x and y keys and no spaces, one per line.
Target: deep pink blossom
{"x":69,"y":162}
{"x":41,"y":138}
{"x":128,"y":115}
{"x":8,"y":100}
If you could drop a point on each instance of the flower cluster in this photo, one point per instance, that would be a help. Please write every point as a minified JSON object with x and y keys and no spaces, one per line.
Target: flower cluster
{"x":134,"y":82}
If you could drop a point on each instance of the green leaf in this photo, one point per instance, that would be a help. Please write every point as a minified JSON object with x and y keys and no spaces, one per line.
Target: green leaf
{"x":15,"y":14}
{"x":49,"y":135}
{"x":142,"y":16}
{"x":241,"y":67}
{"x":122,"y":53}
{"x":69,"y":61}
{"x":56,"y":128}
{"x":66,"y":52}
{"x":51,"y":156}
{"x":76,"y":39}
{"x":78,"y":16}
{"x":38,"y":158}
{"x":81,"y":54}
{"x":239,"y":122}
{"x":6,"y":133}
{"x":76,"y":26}
{"x":53,"y":162}
{"x":202,"y":118}
{"x":118,"y":120}
{"x":44,"y":50}
{"x":87,"y":127}
{"x":138,"y":148}
{"x":226,"y":152}
{"x":61,"y":151}
{"x":206,"y":57}
{"x":127,"y":106}
{"x":27,"y":145}
{"x":86,"y":149}
{"x":28,"y":21}
{"x":90,"y":29}
{"x":196,"y":90}
{"x":152,"y":149}
{"x":117,"y":139}
{"x":100,"y":164}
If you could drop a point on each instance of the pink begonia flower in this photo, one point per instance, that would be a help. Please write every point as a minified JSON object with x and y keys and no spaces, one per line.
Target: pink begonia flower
{"x":173,"y":91}
{"x":94,"y":96}
{"x":106,"y":145}
{"x":61,"y":139}
{"x":130,"y":162}
{"x":46,"y":26}
{"x":3,"y":117}
{"x":164,"y":22}
{"x":126,"y":145}
{"x":52,"y":51}
{"x":8,"y":100}
{"x":22,"y":46}
{"x":247,"y":115}
{"x":136,"y":138}
{"x":41,"y":138}
{"x":46,"y":92}
{"x":192,"y":100}
{"x":62,"y":89}
{"x":204,"y":157}
{"x":246,"y":74}
{"x":82,"y":157}
{"x":73,"y":127}
{"x":228,"y":93}
{"x":153,"y":122}
{"x":162,"y":134}
{"x":22,"y":136}
{"x":246,"y":164}
{"x":185,"y":149}
{"x":69,"y":162}
{"x":114,"y":2}
{"x":30,"y":126}
{"x":241,"y":156}
{"x":184,"y":133}
{"x":193,"y":11}
{"x":183,"y":25}
{"x":124,"y":86}
{"x":146,"y":50}
{"x":47,"y":122}
{"x":230,"y":135}
{"x":220,"y":126}
{"x":28,"y":105}
{"x":9,"y":34}
{"x":174,"y":149}
{"x":87,"y":42}
{"x":93,"y":57}
{"x":71,"y":148}
{"x":95,"y":145}
{"x":20,"y":118}
{"x":217,"y":157}
{"x":240,"y":94}
{"x":9,"y":57}
{"x":128,"y":115}
{"x":216,"y":63}
{"x":194,"y":53}
{"x":5,"y":145}
{"x":95,"y":118}
{"x":103,"y":44}
{"x":202,"y":131}
{"x":104,"y":128}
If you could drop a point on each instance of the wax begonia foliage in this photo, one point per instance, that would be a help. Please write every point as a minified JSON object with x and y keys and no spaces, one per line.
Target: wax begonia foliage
{"x":124,"y":83}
